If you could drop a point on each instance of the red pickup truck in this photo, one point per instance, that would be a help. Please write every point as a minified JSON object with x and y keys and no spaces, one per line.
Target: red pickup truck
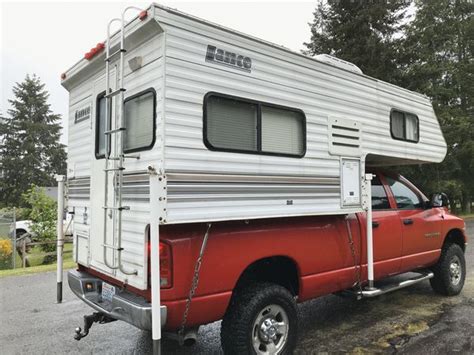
{"x":254,"y":272}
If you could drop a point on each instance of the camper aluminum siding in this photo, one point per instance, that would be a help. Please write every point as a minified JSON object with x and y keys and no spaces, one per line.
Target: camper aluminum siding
{"x":208,"y":185}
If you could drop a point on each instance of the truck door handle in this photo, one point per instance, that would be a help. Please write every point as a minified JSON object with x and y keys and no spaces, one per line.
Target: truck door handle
{"x":407,"y":221}
{"x":375,"y":224}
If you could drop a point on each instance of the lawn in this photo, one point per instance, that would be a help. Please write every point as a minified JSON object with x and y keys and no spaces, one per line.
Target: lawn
{"x":35,"y":257}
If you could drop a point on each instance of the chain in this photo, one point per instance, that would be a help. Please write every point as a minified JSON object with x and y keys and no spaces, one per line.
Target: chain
{"x":194,"y":283}
{"x":358,"y":283}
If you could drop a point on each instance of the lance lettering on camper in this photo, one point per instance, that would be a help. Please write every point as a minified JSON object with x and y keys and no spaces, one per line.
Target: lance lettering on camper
{"x":230,"y":59}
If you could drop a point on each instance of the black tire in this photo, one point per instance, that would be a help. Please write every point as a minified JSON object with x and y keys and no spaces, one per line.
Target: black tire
{"x":246,"y":316}
{"x":445,"y":281}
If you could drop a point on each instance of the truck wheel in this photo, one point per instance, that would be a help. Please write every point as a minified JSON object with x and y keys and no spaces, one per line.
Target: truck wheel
{"x":450,"y":271}
{"x":261,"y":319}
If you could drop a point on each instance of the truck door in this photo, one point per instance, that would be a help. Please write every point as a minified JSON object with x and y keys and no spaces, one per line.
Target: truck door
{"x":387,"y":232}
{"x":421,"y":226}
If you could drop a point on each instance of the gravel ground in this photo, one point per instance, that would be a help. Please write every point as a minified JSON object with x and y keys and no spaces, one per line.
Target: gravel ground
{"x":410,"y":321}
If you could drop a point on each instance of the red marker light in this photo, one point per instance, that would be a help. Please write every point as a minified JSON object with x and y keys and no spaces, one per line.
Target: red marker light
{"x":97,"y":49}
{"x":143,"y":15}
{"x":63,"y":76}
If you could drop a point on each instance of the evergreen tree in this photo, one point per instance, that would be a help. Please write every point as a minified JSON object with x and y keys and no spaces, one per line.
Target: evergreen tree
{"x":30,"y":149}
{"x":439,"y":45}
{"x":361,"y":32}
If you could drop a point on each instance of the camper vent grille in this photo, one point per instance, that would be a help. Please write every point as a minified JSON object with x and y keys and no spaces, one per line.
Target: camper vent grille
{"x":344,"y":137}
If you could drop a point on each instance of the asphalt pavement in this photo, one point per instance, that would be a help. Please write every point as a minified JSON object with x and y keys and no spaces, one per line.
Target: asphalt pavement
{"x":409,"y":321}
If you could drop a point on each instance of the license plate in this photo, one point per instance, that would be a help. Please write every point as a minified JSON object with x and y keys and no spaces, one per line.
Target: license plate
{"x":108,"y":291}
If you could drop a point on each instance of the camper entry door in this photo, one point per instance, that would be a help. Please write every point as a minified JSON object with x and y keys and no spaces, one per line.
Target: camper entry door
{"x":99,"y":185}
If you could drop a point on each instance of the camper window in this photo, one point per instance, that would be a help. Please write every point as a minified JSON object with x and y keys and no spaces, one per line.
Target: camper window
{"x":247,"y":126}
{"x":139,"y":121}
{"x":100,"y":126}
{"x":404,"y":126}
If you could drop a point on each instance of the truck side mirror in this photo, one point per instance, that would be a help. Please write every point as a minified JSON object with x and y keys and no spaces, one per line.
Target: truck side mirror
{"x":440,"y":200}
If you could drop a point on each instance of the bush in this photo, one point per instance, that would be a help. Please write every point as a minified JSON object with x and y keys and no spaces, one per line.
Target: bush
{"x":43,"y":214}
{"x":6,"y":251}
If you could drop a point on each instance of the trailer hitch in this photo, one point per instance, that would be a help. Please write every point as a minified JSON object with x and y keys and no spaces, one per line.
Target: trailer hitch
{"x":96,"y":317}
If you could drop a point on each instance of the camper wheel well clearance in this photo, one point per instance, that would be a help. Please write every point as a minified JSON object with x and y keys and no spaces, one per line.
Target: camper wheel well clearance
{"x":273,"y":149}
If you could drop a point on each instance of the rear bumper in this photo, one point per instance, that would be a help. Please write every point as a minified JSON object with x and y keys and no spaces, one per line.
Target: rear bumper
{"x":125,"y":305}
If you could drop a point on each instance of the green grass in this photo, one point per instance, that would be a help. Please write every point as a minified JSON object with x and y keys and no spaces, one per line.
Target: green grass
{"x":69,"y":264}
{"x":35,"y":257}
{"x":467,"y":216}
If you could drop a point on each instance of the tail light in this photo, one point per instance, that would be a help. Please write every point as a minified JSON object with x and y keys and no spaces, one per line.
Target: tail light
{"x":166,"y":265}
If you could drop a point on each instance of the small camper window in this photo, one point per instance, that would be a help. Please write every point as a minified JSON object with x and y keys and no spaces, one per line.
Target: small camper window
{"x":100,"y":126}
{"x":404,"y":126}
{"x":247,"y":126}
{"x":139,"y":121}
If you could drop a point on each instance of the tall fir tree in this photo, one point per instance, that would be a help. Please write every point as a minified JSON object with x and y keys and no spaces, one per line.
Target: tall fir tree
{"x":31,"y":152}
{"x":439,"y":46}
{"x":361,"y":32}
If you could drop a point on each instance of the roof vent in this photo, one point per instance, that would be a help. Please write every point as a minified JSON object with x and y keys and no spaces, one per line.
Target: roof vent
{"x":343,"y":64}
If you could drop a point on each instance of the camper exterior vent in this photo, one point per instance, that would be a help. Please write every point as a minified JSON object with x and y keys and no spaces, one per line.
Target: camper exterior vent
{"x":343,"y":64}
{"x":344,"y":137}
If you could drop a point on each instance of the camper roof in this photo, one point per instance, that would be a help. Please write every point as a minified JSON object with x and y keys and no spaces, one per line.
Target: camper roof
{"x":136,"y":24}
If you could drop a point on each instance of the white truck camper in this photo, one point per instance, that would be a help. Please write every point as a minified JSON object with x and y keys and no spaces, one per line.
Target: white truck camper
{"x":231,"y":126}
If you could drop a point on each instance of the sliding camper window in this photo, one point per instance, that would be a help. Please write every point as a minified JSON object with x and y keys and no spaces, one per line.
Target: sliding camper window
{"x":139,"y":121}
{"x":404,"y":126}
{"x":100,"y":126}
{"x":246,"y":126}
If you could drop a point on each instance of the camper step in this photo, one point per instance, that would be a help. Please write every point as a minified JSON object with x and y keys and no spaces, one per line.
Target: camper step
{"x":116,"y":92}
{"x":120,"y":168}
{"x":120,"y":129}
{"x":121,"y":50}
{"x":120,"y":208}
{"x":388,"y":285}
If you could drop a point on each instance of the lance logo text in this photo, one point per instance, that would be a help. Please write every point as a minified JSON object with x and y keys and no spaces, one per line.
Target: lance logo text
{"x":220,"y":56}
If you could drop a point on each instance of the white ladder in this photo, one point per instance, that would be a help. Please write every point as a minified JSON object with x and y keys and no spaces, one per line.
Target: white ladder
{"x":115,"y":164}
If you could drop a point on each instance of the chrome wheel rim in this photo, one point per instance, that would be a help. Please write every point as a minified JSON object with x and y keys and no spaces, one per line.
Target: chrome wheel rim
{"x":270,"y":330}
{"x":455,"y":271}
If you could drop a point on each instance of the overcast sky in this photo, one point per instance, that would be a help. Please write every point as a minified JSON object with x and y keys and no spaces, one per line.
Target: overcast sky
{"x":47,"y":38}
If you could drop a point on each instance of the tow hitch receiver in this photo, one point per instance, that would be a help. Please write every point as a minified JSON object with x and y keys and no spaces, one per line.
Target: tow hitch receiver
{"x":96,"y":317}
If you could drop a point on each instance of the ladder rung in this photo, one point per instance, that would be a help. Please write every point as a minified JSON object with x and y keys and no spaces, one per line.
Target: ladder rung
{"x":128,"y":156}
{"x":115,"y":169}
{"x":115,"y":130}
{"x":111,"y":247}
{"x":121,"y":208}
{"x":121,"y":50}
{"x":116,"y":92}
{"x":131,"y":156}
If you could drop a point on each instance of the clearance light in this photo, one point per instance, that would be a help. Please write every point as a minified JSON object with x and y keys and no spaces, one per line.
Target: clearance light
{"x":94,"y":51}
{"x":143,"y":15}
{"x":63,"y":76}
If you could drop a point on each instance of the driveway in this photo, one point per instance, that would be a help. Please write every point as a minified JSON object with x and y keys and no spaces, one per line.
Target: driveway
{"x":410,"y":321}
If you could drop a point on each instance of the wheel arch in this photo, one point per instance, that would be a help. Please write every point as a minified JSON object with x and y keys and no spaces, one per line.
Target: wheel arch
{"x":455,"y":236}
{"x":279,"y":269}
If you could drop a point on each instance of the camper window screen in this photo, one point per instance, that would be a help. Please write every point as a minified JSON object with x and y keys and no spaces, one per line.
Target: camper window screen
{"x":404,"y":126}
{"x":282,"y":131}
{"x":231,"y":124}
{"x":139,"y":121}
{"x":247,"y":126}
